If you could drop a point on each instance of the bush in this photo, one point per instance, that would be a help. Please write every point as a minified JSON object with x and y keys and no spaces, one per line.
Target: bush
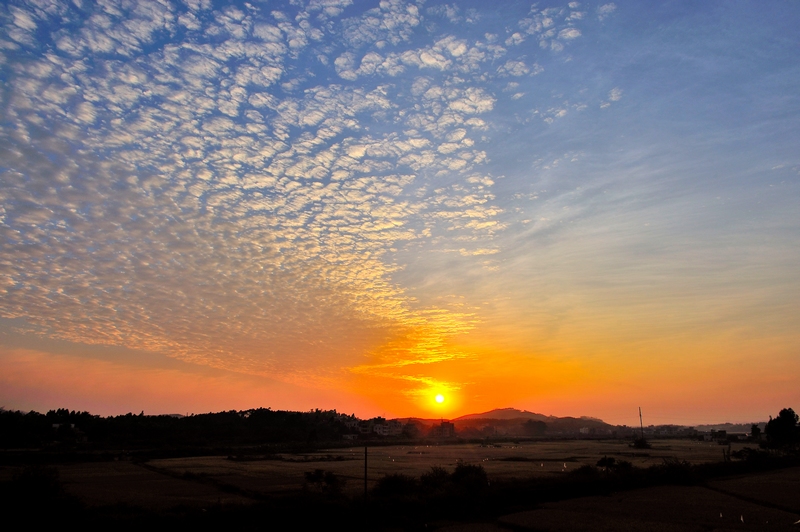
{"x":675,"y":471}
{"x":624,"y":466}
{"x":584,"y":472}
{"x":471,"y":477}
{"x":396,"y":485}
{"x":435,"y":479}
{"x":606,"y":462}
{"x":325,"y":481}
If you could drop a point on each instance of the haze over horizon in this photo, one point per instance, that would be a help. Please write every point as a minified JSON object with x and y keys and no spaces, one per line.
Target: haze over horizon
{"x":576,"y":208}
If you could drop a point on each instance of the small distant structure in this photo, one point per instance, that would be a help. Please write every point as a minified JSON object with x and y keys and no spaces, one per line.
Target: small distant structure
{"x":394,"y":428}
{"x":377,"y":427}
{"x":69,"y":432}
{"x":716,"y":435}
{"x":444,"y":430}
{"x":380,"y":427}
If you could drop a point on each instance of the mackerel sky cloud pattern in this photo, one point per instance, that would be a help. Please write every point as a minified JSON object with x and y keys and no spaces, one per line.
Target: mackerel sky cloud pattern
{"x":185,"y":179}
{"x":312,"y":190}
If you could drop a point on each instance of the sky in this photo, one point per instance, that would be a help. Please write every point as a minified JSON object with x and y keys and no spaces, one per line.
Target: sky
{"x":573,"y":208}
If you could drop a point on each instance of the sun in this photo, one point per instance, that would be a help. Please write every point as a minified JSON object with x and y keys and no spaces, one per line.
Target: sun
{"x":439,"y":398}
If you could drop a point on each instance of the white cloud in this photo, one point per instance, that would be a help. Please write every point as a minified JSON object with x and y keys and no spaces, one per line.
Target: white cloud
{"x":268,"y":32}
{"x":513,"y":68}
{"x":393,"y":21}
{"x":605,"y":10}
{"x":209,"y":196}
{"x":85,"y":112}
{"x":515,"y":39}
{"x":449,"y":11}
{"x":22,"y":19}
{"x":329,"y":8}
{"x":569,"y":33}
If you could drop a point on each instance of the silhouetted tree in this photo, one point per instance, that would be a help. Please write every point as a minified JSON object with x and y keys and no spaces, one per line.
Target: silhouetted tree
{"x":783,"y":430}
{"x":755,"y":432}
{"x":255,"y":426}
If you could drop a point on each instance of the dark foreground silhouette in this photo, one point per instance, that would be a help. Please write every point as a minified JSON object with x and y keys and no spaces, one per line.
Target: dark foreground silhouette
{"x":35,"y":495}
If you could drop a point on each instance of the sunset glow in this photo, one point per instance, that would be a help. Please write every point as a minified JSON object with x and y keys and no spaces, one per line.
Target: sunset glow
{"x":566,"y":207}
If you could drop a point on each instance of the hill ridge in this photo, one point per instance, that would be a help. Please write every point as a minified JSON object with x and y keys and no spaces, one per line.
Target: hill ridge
{"x":505,"y":413}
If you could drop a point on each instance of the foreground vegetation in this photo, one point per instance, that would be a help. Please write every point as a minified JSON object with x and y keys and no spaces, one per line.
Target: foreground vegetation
{"x":396,"y":501}
{"x":464,"y":492}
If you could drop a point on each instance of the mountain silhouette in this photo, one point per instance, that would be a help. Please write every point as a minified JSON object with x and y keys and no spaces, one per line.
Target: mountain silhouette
{"x":506,"y":413}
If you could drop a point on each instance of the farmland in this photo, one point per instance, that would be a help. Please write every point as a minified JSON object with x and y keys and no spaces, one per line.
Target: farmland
{"x":538,"y":485}
{"x":285,"y":472}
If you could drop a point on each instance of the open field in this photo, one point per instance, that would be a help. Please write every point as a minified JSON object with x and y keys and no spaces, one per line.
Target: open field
{"x":765,"y":500}
{"x":206,"y":479}
{"x":109,"y":483}
{"x":662,"y":508}
{"x":775,"y":488}
{"x":501,"y":461}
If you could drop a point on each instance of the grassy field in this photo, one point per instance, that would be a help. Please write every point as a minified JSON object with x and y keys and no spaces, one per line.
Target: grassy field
{"x":662,"y":508}
{"x":761,"y":500}
{"x":110,"y":483}
{"x":210,"y":479}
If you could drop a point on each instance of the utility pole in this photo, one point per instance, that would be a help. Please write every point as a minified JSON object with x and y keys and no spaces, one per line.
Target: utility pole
{"x":641,"y":425}
{"x":365,"y":473}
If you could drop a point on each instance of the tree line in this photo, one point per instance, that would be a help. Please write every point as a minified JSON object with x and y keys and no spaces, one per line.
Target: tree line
{"x":254,"y":426}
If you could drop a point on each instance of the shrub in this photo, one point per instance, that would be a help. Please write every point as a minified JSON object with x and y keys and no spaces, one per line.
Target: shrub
{"x":606,"y":462}
{"x":470,"y":476}
{"x":396,"y":485}
{"x":436,"y":478}
{"x":624,"y":466}
{"x":325,"y":481}
{"x":584,"y":472}
{"x":675,"y":471}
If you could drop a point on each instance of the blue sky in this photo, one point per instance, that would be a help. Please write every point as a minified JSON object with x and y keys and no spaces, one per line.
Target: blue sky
{"x":383,"y":200}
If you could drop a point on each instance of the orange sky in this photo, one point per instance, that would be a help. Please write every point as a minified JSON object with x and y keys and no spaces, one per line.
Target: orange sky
{"x":567,"y":208}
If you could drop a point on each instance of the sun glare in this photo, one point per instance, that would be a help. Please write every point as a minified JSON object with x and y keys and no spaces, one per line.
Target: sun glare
{"x":440,"y":398}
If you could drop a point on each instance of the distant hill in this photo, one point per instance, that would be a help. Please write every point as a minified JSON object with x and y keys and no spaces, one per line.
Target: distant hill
{"x":505,"y":413}
{"x":514,"y":422}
